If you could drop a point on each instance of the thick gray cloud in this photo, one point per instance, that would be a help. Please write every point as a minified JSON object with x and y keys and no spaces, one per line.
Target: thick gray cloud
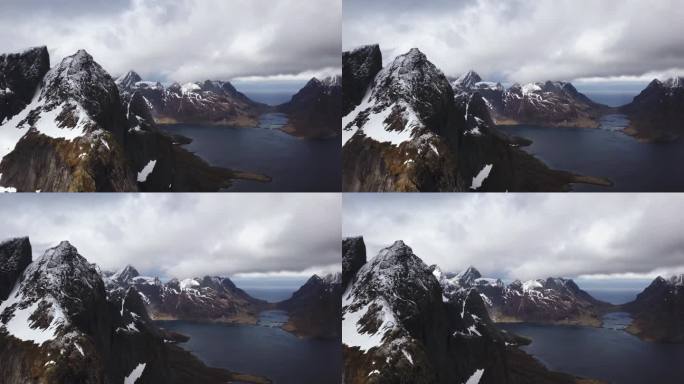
{"x":184,"y":40}
{"x":528,"y":40}
{"x":253,"y":235}
{"x":597,"y":236}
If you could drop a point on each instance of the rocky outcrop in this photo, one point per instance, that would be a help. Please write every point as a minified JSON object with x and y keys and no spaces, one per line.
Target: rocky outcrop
{"x":20,"y":75}
{"x":59,"y":325}
{"x":353,"y":258}
{"x":551,"y":301}
{"x":658,"y":311}
{"x":412,"y":133}
{"x":315,"y":309}
{"x":399,"y":327}
{"x":210,"y":298}
{"x":15,"y":256}
{"x":657,"y":113}
{"x":359,"y":68}
{"x":315,"y":111}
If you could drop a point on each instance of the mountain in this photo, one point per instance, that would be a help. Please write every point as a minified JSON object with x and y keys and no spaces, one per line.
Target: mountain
{"x":209,"y":298}
{"x":399,"y":327}
{"x":76,"y":133}
{"x":410,"y":132}
{"x":314,"y":309}
{"x":554,"y":300}
{"x":359,"y":68}
{"x":58,"y":325}
{"x":658,"y":311}
{"x":207,"y":102}
{"x":657,"y":113}
{"x":353,"y":258}
{"x":552,"y":103}
{"x":15,"y":256}
{"x":315,"y":111}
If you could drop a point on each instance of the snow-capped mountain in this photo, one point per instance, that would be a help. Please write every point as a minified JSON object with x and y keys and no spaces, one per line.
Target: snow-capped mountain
{"x":315,"y":111}
{"x":400,"y":326}
{"x":658,"y":111}
{"x":552,"y":103}
{"x":68,"y":129}
{"x":207,"y":102}
{"x":315,"y":309}
{"x":554,"y":300}
{"x":411,"y":132}
{"x":658,"y":311}
{"x":58,"y":325}
{"x":208,"y":299}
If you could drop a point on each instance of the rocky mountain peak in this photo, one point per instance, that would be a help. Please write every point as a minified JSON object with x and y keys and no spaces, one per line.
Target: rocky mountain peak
{"x":469,"y":275}
{"x":128,"y":80}
{"x":125,"y":274}
{"x":467,"y":80}
{"x":15,"y":256}
{"x":20,"y":75}
{"x":359,"y":68}
{"x":353,"y":258}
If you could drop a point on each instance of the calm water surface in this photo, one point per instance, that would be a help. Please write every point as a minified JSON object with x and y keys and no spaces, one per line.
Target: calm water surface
{"x":608,"y":353}
{"x":262,"y":349}
{"x":296,"y":165}
{"x":631,"y":165}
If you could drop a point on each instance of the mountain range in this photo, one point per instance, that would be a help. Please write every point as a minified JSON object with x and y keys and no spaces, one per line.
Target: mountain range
{"x":656,"y":114}
{"x":400,"y":326}
{"x":404,"y":320}
{"x":58,"y":324}
{"x":313,"y":309}
{"x":73,"y":128}
{"x":407,"y":130}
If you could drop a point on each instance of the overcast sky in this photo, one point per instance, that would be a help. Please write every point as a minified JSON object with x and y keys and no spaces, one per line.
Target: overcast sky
{"x":184,"y":40}
{"x":620,"y":237}
{"x":275,"y":236}
{"x":627,"y":42}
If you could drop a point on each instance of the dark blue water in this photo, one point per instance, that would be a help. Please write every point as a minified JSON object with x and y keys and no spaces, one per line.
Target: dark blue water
{"x":296,"y":165}
{"x":272,"y":295}
{"x":608,"y":353}
{"x":264,"y":350}
{"x":631,"y":165}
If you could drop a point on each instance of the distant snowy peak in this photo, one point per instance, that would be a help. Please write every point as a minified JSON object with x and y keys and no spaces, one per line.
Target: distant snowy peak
{"x":128,"y":80}
{"x":467,"y":80}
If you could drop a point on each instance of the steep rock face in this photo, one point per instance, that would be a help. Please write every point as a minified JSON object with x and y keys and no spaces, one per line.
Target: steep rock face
{"x":359,"y":68}
{"x":657,"y":113}
{"x":315,"y":309}
{"x":554,"y":300}
{"x":60,"y":326}
{"x":315,"y":111}
{"x":353,"y":258}
{"x":20,"y":75}
{"x":208,"y":102}
{"x":71,"y":136}
{"x":658,"y":311}
{"x":400,"y":326}
{"x":15,"y":256}
{"x":554,"y":104}
{"x":205,"y":299}
{"x":412,"y":133}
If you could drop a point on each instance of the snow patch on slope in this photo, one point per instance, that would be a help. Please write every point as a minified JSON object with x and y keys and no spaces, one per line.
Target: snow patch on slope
{"x":147,"y":169}
{"x":135,"y":374}
{"x":481,"y":176}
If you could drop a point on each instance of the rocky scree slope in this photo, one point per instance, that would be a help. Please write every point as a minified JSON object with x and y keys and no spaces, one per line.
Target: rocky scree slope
{"x":58,"y":325}
{"x":411,"y":133}
{"x":399,"y":327}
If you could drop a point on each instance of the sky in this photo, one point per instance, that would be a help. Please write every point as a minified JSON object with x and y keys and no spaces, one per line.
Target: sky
{"x":280,"y":42}
{"x":595,"y":44}
{"x":252,"y":237}
{"x":605,"y":240}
